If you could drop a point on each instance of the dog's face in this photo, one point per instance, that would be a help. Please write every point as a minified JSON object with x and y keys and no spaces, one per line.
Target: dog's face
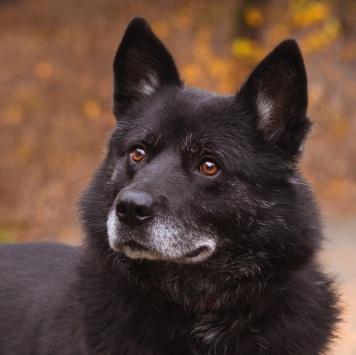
{"x":176,"y":160}
{"x":190,"y":172}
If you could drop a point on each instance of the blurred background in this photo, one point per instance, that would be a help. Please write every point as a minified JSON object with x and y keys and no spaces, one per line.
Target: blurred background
{"x":55,"y":103}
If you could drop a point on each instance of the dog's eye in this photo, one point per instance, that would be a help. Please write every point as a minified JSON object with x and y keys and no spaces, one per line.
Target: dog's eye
{"x":137,"y":155}
{"x":208,"y":167}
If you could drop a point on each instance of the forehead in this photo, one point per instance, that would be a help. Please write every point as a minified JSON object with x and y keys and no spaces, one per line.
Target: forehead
{"x":189,"y":116}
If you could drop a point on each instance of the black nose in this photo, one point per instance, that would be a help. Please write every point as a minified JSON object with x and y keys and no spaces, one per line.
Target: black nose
{"x":134,"y":207}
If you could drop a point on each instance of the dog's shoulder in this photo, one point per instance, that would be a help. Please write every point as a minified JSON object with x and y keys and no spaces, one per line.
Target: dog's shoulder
{"x":36,"y":254}
{"x":36,"y":279}
{"x":30,"y":265}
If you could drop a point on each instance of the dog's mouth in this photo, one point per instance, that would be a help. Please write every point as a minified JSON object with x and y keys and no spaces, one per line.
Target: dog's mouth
{"x":160,"y":241}
{"x":135,"y":247}
{"x":199,"y":251}
{"x":135,"y":250}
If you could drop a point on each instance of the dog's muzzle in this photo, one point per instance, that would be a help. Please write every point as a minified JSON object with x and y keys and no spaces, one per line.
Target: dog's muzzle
{"x":138,"y":231}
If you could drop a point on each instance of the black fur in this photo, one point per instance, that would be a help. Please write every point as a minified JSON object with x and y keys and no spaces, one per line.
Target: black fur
{"x":234,"y":267}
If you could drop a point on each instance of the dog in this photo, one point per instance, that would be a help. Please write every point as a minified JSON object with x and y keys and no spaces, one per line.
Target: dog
{"x":201,"y":234}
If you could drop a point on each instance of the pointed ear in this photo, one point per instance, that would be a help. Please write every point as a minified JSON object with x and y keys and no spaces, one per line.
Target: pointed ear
{"x":142,"y":65}
{"x":276,"y":92}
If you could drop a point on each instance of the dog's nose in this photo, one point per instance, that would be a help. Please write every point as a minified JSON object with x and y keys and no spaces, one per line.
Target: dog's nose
{"x":134,"y":207}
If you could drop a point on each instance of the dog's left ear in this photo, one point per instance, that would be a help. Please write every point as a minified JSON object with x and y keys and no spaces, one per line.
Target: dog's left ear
{"x":142,"y":65}
{"x":276,"y":92}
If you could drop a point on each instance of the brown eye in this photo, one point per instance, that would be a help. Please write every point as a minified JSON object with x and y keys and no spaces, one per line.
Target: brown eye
{"x":137,"y":155}
{"x":208,"y":167}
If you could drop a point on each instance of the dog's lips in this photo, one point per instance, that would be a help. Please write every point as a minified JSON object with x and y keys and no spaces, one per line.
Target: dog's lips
{"x":134,"y":246}
{"x":135,"y":250}
{"x":197,"y":252}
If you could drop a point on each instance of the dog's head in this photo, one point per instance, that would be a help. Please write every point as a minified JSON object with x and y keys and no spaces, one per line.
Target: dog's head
{"x":190,"y":172}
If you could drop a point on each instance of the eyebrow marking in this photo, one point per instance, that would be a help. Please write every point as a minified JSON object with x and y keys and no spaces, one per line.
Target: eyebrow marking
{"x":195,"y":145}
{"x":153,"y":140}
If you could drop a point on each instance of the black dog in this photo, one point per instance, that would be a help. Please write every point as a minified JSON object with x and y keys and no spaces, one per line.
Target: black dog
{"x":201,"y":234}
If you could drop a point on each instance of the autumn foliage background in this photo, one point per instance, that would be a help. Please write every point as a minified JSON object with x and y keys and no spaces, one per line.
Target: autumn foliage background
{"x":55,"y":102}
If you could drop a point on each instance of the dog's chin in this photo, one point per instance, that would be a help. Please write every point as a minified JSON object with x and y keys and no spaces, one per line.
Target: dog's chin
{"x":134,"y":250}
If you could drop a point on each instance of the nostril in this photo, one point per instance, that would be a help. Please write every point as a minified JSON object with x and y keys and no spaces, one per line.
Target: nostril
{"x":143,"y":211}
{"x":120,"y":209}
{"x":139,"y":212}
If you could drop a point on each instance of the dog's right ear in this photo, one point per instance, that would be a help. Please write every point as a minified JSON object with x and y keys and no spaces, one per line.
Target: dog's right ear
{"x":142,"y":65}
